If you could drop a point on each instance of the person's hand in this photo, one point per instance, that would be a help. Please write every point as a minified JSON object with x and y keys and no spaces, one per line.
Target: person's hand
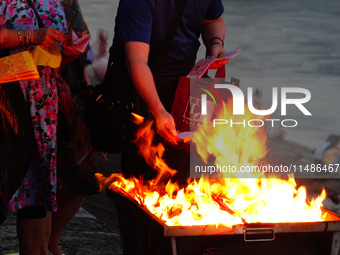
{"x":47,"y":36}
{"x":165,"y":126}
{"x":217,"y":51}
{"x":69,"y":50}
{"x":68,"y":47}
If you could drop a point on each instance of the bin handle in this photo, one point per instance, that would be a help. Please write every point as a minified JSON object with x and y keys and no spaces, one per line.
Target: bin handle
{"x":258,"y":231}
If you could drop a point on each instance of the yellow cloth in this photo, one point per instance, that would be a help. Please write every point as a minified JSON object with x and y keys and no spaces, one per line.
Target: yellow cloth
{"x":49,"y":56}
{"x":18,"y":67}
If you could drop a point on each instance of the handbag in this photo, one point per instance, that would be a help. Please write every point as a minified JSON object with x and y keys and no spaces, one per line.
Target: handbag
{"x":108,"y":112}
{"x":186,"y":109}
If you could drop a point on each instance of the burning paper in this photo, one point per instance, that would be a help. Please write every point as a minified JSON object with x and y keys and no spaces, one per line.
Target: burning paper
{"x":213,"y":201}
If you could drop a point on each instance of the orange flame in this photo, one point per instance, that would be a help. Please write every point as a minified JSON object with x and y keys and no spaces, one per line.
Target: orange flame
{"x":137,"y":119}
{"x":234,"y":143}
{"x":152,"y":154}
{"x":251,"y":197}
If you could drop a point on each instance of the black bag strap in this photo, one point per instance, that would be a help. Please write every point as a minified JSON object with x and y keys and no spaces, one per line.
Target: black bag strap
{"x":161,"y":56}
{"x":40,"y":23}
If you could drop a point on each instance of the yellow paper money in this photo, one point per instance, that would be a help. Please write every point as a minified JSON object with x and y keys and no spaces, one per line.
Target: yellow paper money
{"x":19,"y":66}
{"x":49,"y":56}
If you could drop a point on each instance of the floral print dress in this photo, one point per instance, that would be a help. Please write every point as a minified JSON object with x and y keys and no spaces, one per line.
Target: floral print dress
{"x":39,"y":185}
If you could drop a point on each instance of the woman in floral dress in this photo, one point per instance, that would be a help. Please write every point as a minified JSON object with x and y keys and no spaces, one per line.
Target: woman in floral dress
{"x":36,"y":197}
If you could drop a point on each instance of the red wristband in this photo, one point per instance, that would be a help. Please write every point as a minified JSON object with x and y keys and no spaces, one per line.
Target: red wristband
{"x":212,"y":41}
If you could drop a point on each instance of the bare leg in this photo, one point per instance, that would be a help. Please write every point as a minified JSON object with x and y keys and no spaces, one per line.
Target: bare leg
{"x":33,"y":235}
{"x":67,"y":208}
{"x":47,"y":233}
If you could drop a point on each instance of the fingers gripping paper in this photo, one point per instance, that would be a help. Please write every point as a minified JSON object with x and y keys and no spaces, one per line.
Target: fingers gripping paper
{"x":81,"y":43}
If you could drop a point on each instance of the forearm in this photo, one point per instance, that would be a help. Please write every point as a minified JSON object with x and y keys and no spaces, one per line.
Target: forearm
{"x":43,"y":36}
{"x":137,"y":63}
{"x":213,"y":33}
{"x":144,"y":83}
{"x":9,"y":38}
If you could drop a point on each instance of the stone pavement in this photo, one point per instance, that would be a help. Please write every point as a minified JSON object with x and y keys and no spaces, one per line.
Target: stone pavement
{"x":83,"y":235}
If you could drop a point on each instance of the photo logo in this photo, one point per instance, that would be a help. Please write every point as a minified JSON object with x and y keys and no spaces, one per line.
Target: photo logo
{"x":204,"y":99}
{"x":192,"y":113}
{"x":294,"y":96}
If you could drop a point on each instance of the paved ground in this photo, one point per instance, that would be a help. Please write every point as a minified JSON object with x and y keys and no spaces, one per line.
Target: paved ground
{"x":83,"y":235}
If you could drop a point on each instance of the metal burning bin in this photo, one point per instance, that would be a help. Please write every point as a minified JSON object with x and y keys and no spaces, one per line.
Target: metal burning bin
{"x":143,"y":233}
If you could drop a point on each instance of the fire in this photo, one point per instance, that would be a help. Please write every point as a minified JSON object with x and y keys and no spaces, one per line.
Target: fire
{"x":236,"y":198}
{"x":236,"y":145}
{"x":137,"y":118}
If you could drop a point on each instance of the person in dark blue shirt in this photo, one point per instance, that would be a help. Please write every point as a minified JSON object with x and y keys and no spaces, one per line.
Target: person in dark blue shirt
{"x":140,"y":31}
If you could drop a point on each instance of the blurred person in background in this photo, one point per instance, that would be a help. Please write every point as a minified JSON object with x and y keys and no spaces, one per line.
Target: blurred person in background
{"x":320,"y":150}
{"x":331,"y":155}
{"x":97,"y":58}
{"x":75,"y":157}
{"x":257,"y":99}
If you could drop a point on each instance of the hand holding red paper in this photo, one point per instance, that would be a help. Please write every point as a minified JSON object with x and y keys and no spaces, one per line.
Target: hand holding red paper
{"x":74,"y":45}
{"x":216,"y":52}
{"x":210,"y":63}
{"x":165,"y":126}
